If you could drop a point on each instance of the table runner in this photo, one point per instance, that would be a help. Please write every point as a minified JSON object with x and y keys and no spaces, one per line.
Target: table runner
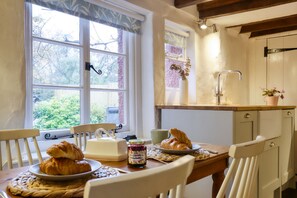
{"x":28,"y":185}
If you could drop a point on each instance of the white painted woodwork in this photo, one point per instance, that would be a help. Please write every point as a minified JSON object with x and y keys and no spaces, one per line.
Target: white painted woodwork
{"x":269,"y":169}
{"x":270,"y":123}
{"x":287,"y":146}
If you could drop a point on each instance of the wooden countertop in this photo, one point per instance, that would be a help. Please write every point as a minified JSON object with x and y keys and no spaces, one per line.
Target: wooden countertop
{"x":226,"y":107}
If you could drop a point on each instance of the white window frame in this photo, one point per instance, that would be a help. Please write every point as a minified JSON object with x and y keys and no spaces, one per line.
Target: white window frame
{"x":132,"y":44}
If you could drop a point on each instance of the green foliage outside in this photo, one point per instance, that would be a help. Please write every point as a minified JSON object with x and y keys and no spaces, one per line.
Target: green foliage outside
{"x":61,"y":113}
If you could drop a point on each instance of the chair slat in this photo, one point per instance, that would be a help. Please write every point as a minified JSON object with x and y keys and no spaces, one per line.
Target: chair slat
{"x":19,"y":154}
{"x":37,"y":149}
{"x":8,"y":154}
{"x":30,"y":159}
{"x":85,"y":140}
{"x":243,"y":179}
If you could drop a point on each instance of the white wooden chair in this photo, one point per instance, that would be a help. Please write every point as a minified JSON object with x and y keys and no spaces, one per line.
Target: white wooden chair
{"x":15,"y":138}
{"x":170,"y":178}
{"x":243,"y":169}
{"x":81,"y":132}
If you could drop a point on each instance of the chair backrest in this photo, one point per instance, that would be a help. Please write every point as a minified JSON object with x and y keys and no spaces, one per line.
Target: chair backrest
{"x":81,"y":132}
{"x":170,"y":178}
{"x":243,"y":170}
{"x":13,"y":138}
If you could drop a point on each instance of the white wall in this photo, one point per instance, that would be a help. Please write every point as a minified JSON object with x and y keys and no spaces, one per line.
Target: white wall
{"x":12,"y":64}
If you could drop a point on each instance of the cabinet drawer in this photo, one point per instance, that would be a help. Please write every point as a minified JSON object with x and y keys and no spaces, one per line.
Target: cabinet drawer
{"x":269,"y":144}
{"x":245,"y":116}
{"x":288,"y":113}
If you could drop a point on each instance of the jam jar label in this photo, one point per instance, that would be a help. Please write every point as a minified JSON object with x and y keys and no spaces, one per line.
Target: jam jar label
{"x":137,"y":157}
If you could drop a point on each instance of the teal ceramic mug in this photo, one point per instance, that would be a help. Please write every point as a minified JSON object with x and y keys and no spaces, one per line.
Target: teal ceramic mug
{"x":158,"y":135}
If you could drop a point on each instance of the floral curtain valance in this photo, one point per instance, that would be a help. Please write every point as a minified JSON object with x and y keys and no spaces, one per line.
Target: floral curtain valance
{"x":175,"y":39}
{"x":92,"y":12}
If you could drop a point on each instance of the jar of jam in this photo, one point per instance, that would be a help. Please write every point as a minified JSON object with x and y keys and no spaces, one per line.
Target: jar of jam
{"x":136,"y":153}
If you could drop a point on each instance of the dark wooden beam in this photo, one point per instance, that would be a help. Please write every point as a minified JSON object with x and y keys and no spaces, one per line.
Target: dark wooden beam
{"x":272,"y":31}
{"x":185,"y":3}
{"x":216,"y":3}
{"x":282,"y":22}
{"x":217,"y":8}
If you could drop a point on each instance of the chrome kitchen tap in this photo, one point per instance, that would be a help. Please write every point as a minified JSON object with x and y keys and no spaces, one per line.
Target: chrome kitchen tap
{"x":219,"y":91}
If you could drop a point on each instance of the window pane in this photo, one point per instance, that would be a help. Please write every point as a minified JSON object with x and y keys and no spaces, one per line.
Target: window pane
{"x":113,"y":71}
{"x":171,"y":76}
{"x":174,"y":51}
{"x":106,"y":38}
{"x":108,"y":107}
{"x":55,"y":109}
{"x":55,"y":64}
{"x":54,"y":25}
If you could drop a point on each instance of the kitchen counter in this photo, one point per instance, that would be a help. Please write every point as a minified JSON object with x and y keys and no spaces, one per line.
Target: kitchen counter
{"x":226,"y":107}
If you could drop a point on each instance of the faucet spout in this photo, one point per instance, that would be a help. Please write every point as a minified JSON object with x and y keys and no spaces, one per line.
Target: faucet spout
{"x":219,"y":92}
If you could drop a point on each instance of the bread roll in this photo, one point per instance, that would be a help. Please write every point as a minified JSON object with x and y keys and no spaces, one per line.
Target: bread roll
{"x":65,"y":150}
{"x":181,"y":136}
{"x":173,"y":144}
{"x":64,"y":166}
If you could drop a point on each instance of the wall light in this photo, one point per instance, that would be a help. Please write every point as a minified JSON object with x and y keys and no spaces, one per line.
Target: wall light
{"x":202,"y":25}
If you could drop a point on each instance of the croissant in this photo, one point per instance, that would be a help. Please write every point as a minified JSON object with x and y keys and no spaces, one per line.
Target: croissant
{"x":64,"y":166}
{"x":173,"y":144}
{"x":66,"y":150}
{"x":181,"y":136}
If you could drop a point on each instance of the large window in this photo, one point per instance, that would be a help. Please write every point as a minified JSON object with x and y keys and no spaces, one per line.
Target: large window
{"x":61,"y":92}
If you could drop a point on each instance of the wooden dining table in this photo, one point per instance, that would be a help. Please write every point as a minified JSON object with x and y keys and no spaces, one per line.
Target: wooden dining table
{"x":214,"y":166}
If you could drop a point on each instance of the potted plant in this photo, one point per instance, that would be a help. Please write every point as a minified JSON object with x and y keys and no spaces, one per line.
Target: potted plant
{"x":272,"y":95}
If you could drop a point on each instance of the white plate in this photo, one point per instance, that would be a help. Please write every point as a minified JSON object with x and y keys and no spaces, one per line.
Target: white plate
{"x":195,"y":147}
{"x":34,"y":169}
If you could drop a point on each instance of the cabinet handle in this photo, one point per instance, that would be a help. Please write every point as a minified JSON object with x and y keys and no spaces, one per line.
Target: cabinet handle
{"x":272,"y":144}
{"x":247,"y":115}
{"x":289,"y":113}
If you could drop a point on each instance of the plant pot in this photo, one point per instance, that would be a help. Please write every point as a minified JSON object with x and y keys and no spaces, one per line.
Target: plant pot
{"x":272,"y":100}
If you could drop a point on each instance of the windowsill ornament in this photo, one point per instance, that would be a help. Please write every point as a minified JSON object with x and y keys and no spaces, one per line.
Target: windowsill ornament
{"x":183,"y":83}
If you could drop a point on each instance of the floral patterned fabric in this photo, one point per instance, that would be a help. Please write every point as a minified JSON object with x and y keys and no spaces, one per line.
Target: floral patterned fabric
{"x":92,"y":12}
{"x":175,"y":39}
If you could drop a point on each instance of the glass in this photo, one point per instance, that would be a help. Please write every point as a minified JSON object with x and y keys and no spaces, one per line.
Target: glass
{"x":103,"y":37}
{"x":113,"y":71}
{"x":50,"y":24}
{"x":55,"y":64}
{"x":172,"y":76}
{"x":175,"y":52}
{"x":136,"y":153}
{"x":55,"y":109}
{"x":108,"y":107}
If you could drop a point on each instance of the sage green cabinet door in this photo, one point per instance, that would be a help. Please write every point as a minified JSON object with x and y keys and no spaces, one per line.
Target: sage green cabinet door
{"x":269,"y":170}
{"x":245,"y":126}
{"x":287,"y":146}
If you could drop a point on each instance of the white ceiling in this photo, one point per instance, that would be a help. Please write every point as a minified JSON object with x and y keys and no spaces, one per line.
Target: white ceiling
{"x":257,"y":15}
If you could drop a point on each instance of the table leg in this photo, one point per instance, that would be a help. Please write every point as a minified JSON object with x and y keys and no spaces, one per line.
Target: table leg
{"x":218,"y":179}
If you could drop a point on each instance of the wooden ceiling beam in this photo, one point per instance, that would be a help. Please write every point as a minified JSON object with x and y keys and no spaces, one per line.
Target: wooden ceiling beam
{"x":185,"y":3}
{"x":216,"y":8}
{"x":272,"y":31}
{"x":282,"y":22}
